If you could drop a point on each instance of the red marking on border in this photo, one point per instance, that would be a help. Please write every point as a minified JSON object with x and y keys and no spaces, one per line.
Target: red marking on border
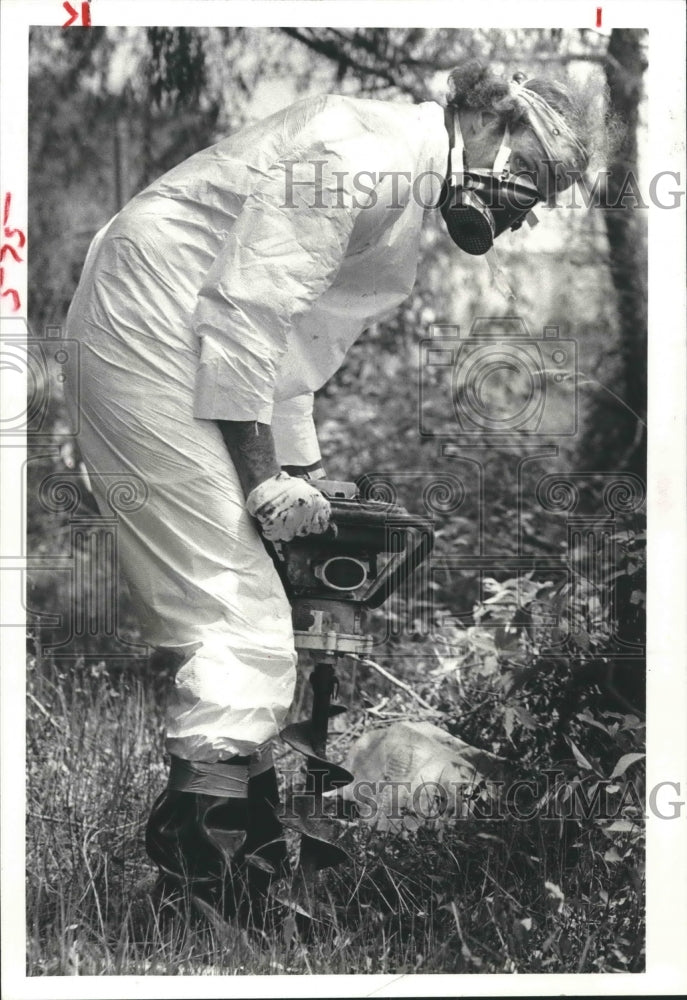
{"x":7,"y":248}
{"x":16,"y":301}
{"x":8,"y":230}
{"x":73,"y":14}
{"x":9,"y":233}
{"x":598,"y":17}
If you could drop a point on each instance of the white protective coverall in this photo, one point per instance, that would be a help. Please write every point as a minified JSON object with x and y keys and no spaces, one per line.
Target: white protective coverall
{"x":231,"y":289}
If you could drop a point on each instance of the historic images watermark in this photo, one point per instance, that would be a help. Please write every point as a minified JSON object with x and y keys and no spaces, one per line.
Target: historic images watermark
{"x":44,"y":365}
{"x":313,"y":184}
{"x":549,"y":796}
{"x":457,"y":407}
{"x":461,"y":371}
{"x":85,"y":618}
{"x":498,"y":385}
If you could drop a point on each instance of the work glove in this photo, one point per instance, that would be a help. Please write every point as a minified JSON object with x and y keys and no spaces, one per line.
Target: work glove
{"x":287,"y":507}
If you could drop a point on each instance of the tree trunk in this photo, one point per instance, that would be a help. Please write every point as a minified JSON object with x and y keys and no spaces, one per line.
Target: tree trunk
{"x":626,"y":230}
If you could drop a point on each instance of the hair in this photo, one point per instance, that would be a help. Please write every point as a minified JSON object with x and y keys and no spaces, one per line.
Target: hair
{"x":474,"y":86}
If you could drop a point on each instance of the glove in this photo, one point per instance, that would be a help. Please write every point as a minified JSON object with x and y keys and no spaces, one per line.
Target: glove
{"x":287,"y":507}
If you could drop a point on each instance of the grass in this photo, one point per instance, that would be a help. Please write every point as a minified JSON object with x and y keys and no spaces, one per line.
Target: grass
{"x":478,"y":896}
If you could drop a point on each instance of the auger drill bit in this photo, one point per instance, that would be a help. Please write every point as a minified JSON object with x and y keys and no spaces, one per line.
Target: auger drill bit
{"x":322,"y":775}
{"x":331,"y":579}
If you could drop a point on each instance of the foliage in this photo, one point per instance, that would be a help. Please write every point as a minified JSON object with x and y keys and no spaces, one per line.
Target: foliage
{"x":487,"y":896}
{"x":554,"y":889}
{"x":110,"y":110}
{"x":176,"y":69}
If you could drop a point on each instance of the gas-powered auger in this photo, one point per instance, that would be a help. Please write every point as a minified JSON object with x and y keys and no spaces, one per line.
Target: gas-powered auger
{"x":330,"y":580}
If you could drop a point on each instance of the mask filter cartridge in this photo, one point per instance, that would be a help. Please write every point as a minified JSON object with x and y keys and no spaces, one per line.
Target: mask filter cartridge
{"x":469,"y":222}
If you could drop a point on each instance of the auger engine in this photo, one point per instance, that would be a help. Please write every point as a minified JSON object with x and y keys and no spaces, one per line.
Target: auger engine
{"x":369,"y":550}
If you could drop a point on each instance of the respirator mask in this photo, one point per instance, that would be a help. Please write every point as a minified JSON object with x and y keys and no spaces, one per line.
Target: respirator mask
{"x":479,"y":205}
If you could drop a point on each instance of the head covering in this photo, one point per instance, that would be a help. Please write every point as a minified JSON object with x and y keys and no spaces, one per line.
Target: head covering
{"x":560,"y":144}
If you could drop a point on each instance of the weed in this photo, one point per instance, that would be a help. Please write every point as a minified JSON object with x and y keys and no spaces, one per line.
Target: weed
{"x":481,"y":896}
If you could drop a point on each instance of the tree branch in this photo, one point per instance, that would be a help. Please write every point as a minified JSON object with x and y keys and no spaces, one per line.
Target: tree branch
{"x":336,"y":51}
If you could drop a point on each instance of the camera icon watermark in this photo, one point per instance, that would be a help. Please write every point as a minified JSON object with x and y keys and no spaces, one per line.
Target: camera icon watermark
{"x":72,"y":595}
{"x":498,"y":382}
{"x":35,"y":370}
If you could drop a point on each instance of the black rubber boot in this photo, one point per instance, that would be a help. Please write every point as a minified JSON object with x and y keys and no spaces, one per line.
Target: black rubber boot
{"x":197,"y":841}
{"x":223,"y":850}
